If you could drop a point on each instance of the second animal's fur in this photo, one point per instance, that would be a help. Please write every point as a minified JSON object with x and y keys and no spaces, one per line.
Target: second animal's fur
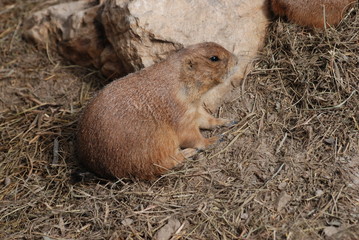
{"x":313,"y":13}
{"x":148,"y":122}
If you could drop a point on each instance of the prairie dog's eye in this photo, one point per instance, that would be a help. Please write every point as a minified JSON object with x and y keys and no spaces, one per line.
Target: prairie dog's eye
{"x":214,"y":59}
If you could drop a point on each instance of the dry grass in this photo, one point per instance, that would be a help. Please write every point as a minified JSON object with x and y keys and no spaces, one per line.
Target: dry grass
{"x":288,"y":170}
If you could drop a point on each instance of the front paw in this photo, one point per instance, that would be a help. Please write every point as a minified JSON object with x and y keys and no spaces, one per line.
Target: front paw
{"x":227,"y":122}
{"x":189,"y":152}
{"x":214,"y":140}
{"x":231,"y":123}
{"x":211,"y":142}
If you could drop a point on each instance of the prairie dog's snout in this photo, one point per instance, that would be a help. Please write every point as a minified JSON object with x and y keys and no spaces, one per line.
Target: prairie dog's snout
{"x":233,"y":66}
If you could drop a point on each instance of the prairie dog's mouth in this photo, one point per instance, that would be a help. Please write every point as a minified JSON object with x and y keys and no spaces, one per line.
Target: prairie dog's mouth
{"x":231,"y":72}
{"x":232,"y":68}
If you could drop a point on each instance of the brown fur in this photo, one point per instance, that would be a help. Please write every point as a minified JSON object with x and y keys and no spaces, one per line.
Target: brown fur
{"x":311,"y":12}
{"x":137,"y":125}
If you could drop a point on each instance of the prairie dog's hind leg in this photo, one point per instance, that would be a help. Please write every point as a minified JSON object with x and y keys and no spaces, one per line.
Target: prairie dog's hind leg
{"x":178,"y":157}
{"x":191,"y":137}
{"x":189,"y":152}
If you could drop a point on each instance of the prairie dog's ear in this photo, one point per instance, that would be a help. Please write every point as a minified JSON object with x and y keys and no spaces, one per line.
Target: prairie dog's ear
{"x":190,"y":64}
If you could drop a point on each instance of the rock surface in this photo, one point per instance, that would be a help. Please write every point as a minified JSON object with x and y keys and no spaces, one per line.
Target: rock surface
{"x":75,"y":30}
{"x":122,"y":36}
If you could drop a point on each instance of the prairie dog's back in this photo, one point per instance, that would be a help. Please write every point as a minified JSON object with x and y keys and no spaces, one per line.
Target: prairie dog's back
{"x":311,"y":12}
{"x":138,"y":104}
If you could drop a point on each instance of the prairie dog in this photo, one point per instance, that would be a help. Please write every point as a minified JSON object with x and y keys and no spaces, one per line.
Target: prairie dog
{"x":311,"y":12}
{"x":149,"y":121}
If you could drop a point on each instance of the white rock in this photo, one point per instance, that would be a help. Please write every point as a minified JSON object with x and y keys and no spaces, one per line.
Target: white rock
{"x":146,"y":31}
{"x":74,"y":30}
{"x":122,"y":36}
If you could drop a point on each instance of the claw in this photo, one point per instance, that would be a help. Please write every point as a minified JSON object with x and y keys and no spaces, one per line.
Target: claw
{"x":232,"y":123}
{"x":220,"y":138}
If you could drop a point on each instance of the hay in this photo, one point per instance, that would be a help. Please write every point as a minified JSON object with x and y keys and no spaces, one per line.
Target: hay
{"x":287,"y":170}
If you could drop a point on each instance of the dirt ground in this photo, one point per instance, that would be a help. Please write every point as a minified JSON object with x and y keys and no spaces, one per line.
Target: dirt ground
{"x":288,"y":170}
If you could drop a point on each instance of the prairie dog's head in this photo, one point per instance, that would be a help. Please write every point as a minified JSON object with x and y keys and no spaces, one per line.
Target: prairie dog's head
{"x":206,"y":65}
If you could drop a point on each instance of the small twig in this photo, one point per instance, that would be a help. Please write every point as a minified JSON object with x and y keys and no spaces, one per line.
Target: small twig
{"x":4,"y":33}
{"x":55,"y":158}
{"x":281,"y":143}
{"x":48,"y":53}
{"x":275,"y":174}
{"x":324,"y":19}
{"x":333,"y":107}
{"x":13,"y":36}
